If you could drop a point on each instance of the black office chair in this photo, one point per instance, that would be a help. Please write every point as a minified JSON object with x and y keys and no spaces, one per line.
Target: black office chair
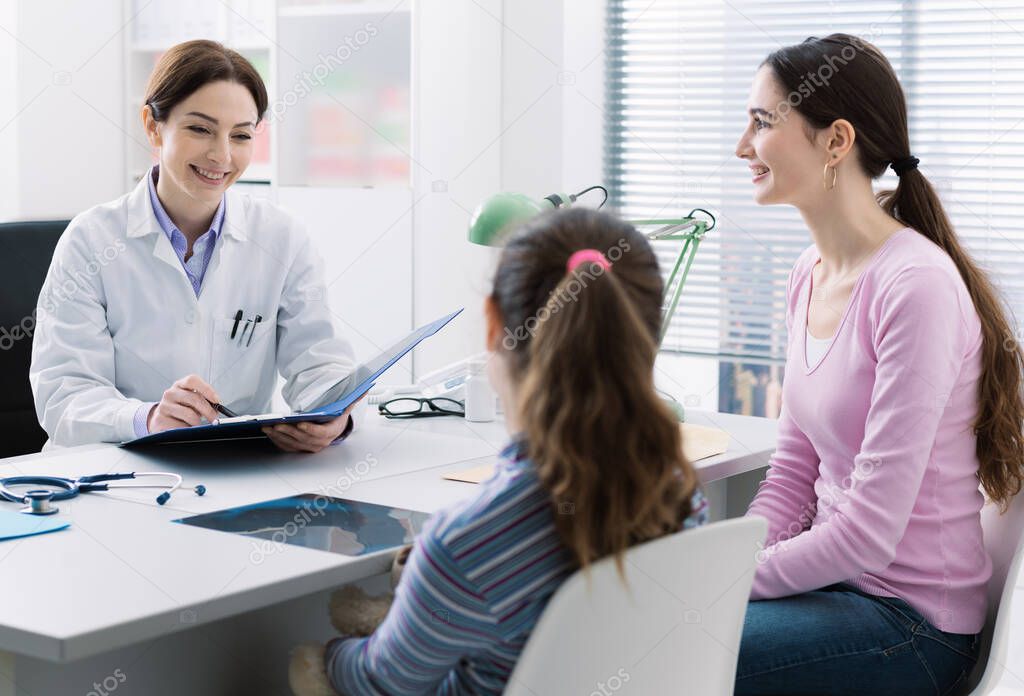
{"x":27,"y":250}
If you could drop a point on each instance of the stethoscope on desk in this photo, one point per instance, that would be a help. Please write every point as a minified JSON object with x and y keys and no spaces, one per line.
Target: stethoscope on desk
{"x":39,"y":500}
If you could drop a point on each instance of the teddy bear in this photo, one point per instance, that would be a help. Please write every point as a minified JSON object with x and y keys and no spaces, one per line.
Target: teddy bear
{"x":353,"y":614}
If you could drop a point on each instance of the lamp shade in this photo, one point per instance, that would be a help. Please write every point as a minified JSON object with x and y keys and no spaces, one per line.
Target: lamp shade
{"x":495,"y":217}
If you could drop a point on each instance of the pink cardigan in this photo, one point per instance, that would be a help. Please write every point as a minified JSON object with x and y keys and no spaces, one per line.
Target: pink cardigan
{"x":873,"y":481}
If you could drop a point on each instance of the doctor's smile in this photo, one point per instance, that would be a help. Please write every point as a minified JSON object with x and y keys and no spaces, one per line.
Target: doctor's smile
{"x":209,"y":176}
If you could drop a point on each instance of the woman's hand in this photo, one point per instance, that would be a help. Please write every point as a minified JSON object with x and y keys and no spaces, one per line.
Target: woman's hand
{"x":187,"y":402}
{"x":307,"y":436}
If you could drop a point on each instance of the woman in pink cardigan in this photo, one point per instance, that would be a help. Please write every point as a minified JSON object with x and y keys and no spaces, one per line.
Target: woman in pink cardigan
{"x":902,"y":391}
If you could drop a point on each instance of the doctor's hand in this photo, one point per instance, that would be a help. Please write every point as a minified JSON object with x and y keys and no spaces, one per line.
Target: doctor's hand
{"x":187,"y":402}
{"x":308,"y":437}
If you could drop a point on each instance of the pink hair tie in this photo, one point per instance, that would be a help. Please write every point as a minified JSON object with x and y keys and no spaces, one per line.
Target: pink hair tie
{"x":587,"y":255}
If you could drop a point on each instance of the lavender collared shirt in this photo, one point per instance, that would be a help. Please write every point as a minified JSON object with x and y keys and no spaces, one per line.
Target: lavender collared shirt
{"x":202,"y":249}
{"x":194,"y":267}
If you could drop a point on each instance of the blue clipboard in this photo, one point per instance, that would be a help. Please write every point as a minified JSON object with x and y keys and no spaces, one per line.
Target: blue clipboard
{"x":339,"y":397}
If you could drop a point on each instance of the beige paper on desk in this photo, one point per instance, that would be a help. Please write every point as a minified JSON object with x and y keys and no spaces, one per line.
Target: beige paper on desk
{"x":699,"y":442}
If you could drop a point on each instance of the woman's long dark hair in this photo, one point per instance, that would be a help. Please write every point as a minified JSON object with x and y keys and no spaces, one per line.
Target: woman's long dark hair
{"x":863,"y":89}
{"x":581,"y":347}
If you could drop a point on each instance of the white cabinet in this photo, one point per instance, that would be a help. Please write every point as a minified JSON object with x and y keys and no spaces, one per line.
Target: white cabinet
{"x":342,"y":110}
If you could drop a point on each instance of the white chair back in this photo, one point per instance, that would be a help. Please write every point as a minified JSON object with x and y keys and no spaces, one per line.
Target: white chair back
{"x":675,"y":628}
{"x":1004,"y":541}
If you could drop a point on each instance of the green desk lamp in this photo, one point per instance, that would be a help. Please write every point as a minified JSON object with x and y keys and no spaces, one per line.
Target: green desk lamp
{"x":502,"y":213}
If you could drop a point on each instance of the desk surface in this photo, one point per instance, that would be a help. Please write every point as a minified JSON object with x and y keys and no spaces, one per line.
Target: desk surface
{"x":123,"y":573}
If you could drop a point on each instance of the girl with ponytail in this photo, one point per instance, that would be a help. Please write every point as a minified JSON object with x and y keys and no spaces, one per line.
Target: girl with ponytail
{"x":594,"y":465}
{"x":902,"y":404}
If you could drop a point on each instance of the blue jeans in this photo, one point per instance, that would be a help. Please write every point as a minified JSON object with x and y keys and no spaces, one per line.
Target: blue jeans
{"x":840,"y":640}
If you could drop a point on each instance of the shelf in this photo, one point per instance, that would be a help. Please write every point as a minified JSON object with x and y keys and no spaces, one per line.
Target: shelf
{"x":245,"y":47}
{"x":259,"y":171}
{"x":160,"y":47}
{"x":151,"y":47}
{"x":347,"y":9}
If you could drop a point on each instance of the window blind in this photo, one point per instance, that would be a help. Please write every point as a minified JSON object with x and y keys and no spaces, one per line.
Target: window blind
{"x":678,"y":78}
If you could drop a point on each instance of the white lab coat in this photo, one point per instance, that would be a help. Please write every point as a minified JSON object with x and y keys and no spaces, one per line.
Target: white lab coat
{"x":118,"y":321}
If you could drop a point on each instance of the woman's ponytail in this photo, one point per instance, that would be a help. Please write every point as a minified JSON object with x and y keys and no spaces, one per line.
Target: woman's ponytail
{"x":1000,"y":447}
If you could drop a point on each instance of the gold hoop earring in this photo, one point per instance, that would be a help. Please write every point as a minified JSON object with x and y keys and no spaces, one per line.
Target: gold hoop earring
{"x":824,"y":178}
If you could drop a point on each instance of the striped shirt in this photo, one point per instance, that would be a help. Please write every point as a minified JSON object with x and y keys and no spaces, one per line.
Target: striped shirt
{"x":479,"y":576}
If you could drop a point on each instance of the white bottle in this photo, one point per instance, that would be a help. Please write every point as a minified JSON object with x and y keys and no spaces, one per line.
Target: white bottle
{"x":479,"y":395}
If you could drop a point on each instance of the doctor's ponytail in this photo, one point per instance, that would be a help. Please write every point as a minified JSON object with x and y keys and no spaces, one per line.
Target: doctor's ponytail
{"x":580,"y":339}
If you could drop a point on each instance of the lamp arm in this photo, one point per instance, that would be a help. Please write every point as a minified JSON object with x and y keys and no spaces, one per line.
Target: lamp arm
{"x":688,"y":252}
{"x":690,"y":230}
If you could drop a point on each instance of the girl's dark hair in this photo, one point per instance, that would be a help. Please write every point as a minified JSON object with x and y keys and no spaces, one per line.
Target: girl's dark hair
{"x":863,"y":89}
{"x":581,"y":348}
{"x":186,"y":67}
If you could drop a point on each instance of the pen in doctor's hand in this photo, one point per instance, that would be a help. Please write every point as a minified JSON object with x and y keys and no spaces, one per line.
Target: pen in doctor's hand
{"x":221,"y":409}
{"x":187,"y":402}
{"x":225,"y":411}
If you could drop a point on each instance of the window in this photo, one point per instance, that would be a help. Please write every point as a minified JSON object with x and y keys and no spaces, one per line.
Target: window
{"x":679,"y":73}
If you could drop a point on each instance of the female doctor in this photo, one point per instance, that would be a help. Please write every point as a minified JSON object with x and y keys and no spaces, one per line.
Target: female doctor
{"x":136,"y":323}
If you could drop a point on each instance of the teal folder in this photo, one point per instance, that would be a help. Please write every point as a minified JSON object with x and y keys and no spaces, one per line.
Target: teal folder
{"x":14,"y":525}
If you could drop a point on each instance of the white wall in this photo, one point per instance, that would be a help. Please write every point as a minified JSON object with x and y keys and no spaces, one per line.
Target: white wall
{"x":494,"y":84}
{"x":553,"y":95}
{"x":8,"y":111}
{"x":365,"y":238}
{"x":584,"y":104}
{"x":553,"y":115}
{"x":531,"y":111}
{"x":456,"y":144}
{"x":66,"y":139}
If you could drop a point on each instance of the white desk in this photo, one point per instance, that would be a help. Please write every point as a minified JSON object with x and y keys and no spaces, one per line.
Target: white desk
{"x":125,"y":589}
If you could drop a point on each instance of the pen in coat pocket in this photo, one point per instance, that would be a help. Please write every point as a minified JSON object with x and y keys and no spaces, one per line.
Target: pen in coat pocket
{"x":259,"y":318}
{"x":241,"y":336}
{"x":238,"y":318}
